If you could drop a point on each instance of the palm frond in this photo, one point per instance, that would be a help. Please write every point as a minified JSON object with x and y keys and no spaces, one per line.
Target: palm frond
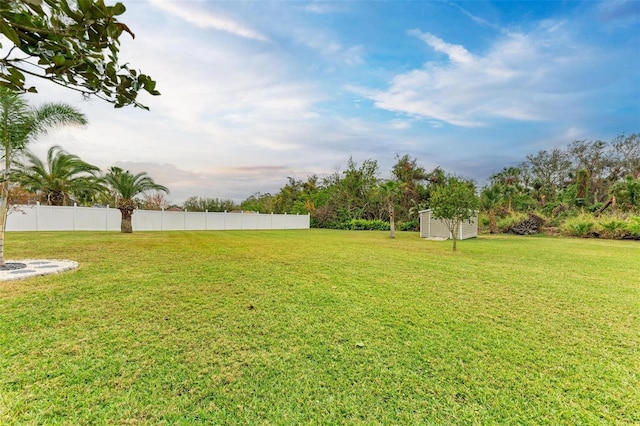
{"x":128,"y":185}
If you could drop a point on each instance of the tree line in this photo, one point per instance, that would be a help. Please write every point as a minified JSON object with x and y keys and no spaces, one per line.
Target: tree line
{"x":586,"y":176}
{"x":587,"y":179}
{"x":345,"y":198}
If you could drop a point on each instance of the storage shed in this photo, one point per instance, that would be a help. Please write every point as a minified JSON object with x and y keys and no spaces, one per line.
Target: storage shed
{"x":436,"y":229}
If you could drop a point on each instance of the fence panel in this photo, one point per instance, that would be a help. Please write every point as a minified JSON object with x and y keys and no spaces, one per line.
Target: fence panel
{"x":150,"y":220}
{"x":232,"y":221}
{"x":250,"y":221}
{"x":265,"y":221}
{"x":22,"y":218}
{"x":50,"y":218}
{"x":89,"y":219}
{"x":216,"y":221}
{"x":195,"y":221}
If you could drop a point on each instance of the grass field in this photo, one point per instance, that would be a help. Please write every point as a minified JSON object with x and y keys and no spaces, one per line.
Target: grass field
{"x":321,"y":327}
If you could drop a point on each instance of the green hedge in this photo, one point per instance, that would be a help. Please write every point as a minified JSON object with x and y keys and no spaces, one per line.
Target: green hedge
{"x":369,"y":225}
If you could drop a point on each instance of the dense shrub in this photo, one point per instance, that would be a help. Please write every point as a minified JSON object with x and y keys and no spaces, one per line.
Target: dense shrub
{"x":583,"y":226}
{"x":369,"y":225}
{"x":633,"y":227}
{"x":412,"y":225}
{"x":613,"y":228}
{"x":483,"y":223}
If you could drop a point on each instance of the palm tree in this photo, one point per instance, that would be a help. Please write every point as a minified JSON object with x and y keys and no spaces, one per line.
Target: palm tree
{"x":490,"y":200}
{"x":62,"y":176}
{"x":126,"y":186}
{"x":390,"y":191}
{"x":19,"y":124}
{"x":509,"y":179}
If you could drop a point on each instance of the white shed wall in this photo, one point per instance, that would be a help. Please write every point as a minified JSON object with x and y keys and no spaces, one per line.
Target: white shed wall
{"x":435,"y":228}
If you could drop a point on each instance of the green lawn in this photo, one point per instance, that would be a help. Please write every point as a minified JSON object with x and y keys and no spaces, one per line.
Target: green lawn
{"x":321,"y":327}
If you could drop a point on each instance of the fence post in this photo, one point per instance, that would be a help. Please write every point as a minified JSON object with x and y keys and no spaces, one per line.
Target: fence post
{"x":184,"y":220}
{"x":106,"y":218}
{"x":75,"y":215}
{"x":206,"y":215}
{"x":162,"y":218}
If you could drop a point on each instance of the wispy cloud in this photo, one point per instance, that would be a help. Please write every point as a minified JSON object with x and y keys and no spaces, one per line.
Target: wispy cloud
{"x":519,"y":78}
{"x":623,"y":11}
{"x":322,"y":7}
{"x":478,"y":20}
{"x":455,"y":52}
{"x":331,"y":50}
{"x":203,"y":18}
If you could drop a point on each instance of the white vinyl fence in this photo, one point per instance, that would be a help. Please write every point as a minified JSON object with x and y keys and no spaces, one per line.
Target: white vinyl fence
{"x":50,"y":218}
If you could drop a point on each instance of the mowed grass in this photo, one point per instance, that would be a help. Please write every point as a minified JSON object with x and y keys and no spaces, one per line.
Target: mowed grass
{"x":321,"y":327}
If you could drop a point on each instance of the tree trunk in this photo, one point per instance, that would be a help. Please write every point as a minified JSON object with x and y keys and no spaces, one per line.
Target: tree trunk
{"x":125,"y":222}
{"x":4,"y":197}
{"x":493,"y":226}
{"x":392,"y":222}
{"x":56,"y":198}
{"x":454,"y":236}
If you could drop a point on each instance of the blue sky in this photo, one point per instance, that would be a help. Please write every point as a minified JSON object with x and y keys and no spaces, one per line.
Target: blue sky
{"x":253,"y":92}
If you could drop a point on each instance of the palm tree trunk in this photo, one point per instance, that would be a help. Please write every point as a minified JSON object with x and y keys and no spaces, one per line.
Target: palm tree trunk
{"x":392,"y":222}
{"x":125,"y":222}
{"x":56,"y":198}
{"x":493,"y":226}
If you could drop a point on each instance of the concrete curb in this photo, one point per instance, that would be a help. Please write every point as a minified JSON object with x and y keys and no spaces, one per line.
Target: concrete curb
{"x":36,"y":267}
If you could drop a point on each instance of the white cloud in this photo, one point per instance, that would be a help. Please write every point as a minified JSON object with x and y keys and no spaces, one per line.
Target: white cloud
{"x":519,"y":78}
{"x":478,"y":20}
{"x":331,"y":50}
{"x":455,"y":52}
{"x":205,"y":19}
{"x":400,"y":124}
{"x":326,"y":7}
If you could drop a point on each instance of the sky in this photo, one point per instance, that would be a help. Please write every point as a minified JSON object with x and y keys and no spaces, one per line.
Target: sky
{"x":255,"y":92}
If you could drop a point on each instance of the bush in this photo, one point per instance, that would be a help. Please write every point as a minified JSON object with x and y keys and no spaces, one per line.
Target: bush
{"x":595,"y":207}
{"x":409,"y":226}
{"x":483,"y":223}
{"x":580,"y":226}
{"x":633,"y":227}
{"x":613,"y":228}
{"x":369,"y":225}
